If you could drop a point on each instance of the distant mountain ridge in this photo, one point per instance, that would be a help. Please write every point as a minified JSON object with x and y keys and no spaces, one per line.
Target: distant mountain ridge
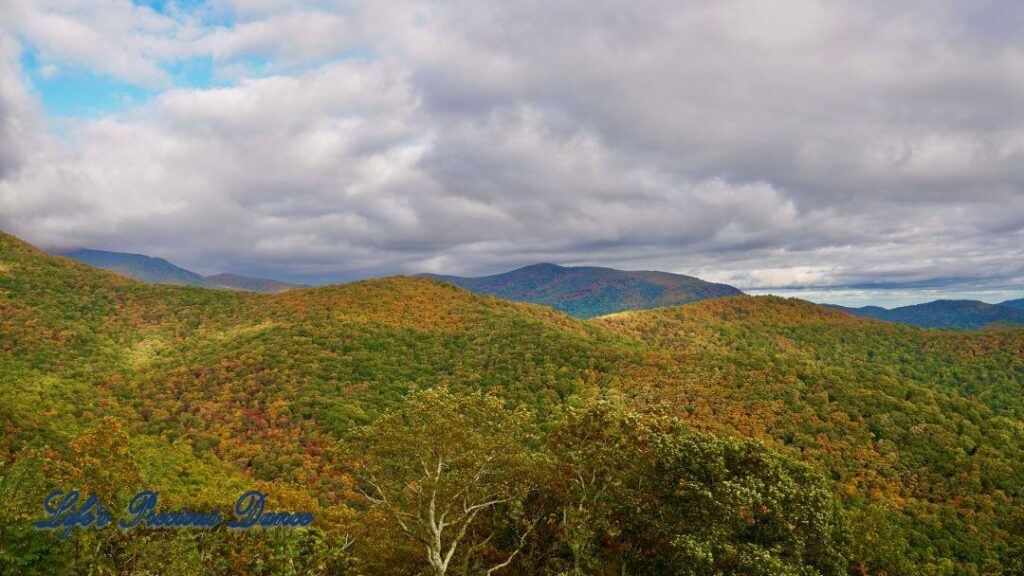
{"x":252,"y":284}
{"x":160,"y":271}
{"x":138,"y":266}
{"x":1019,"y":303}
{"x":958,"y":314}
{"x":589,"y":291}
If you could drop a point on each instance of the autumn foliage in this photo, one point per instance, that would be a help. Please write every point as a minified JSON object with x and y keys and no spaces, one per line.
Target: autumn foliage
{"x":734,"y":436}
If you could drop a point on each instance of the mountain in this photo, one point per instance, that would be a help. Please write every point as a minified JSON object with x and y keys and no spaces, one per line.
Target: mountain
{"x":1014,"y":303}
{"x":138,"y":266}
{"x":586,"y":291}
{"x":115,"y":386}
{"x":239,"y":282}
{"x":159,"y":271}
{"x":961,"y":314}
{"x":876,"y":312}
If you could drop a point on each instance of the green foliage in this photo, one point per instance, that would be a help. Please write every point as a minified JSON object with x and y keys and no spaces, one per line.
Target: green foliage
{"x":113,"y":385}
{"x":607,"y":491}
{"x":737,"y":508}
{"x":630,"y":484}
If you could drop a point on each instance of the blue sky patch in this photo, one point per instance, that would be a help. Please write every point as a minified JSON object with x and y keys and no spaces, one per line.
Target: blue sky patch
{"x":68,"y":91}
{"x":193,"y":73}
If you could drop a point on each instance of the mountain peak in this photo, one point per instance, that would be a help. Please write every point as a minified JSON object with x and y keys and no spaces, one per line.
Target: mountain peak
{"x":589,"y":291}
{"x":540,"y":266}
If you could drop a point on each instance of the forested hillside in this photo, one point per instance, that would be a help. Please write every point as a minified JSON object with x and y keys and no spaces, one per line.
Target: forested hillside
{"x":904,"y":420}
{"x":745,"y":435}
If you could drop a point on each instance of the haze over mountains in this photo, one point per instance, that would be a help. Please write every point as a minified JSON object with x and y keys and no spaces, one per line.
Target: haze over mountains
{"x":589,"y":291}
{"x":960,"y":314}
{"x":159,"y":271}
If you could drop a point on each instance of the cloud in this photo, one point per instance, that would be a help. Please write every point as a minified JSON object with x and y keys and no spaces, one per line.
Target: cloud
{"x":288,"y":40}
{"x":815,"y":143}
{"x":14,"y":108}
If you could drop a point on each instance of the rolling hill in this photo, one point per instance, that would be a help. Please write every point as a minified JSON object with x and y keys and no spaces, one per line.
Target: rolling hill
{"x":159,"y":271}
{"x":957,"y":314}
{"x":586,"y":292}
{"x":111,"y":384}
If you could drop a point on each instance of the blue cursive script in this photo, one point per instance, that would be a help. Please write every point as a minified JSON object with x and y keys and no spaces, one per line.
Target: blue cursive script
{"x":142,"y":510}
{"x":249,"y":509}
{"x":67,"y":511}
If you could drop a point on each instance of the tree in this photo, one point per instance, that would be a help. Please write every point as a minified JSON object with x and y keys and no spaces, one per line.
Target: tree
{"x":639,"y":493}
{"x":736,"y":507}
{"x":603,"y":454}
{"x":439,"y":467}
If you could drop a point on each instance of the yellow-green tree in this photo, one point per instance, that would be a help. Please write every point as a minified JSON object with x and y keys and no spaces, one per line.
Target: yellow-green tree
{"x":451,"y":473}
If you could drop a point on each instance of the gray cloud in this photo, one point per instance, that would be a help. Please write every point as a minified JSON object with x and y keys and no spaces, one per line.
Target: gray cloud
{"x":791,"y":143}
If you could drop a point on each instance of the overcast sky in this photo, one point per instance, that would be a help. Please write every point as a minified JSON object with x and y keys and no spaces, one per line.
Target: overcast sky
{"x":773,"y":144}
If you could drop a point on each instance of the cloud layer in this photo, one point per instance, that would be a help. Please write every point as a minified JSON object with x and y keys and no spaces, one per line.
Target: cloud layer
{"x":770,"y":144}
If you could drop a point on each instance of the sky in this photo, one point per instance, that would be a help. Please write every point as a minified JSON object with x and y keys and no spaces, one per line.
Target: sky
{"x":859,"y":152}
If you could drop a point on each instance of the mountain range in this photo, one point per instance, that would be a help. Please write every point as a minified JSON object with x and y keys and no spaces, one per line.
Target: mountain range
{"x":584,"y":292}
{"x":114,"y":386}
{"x":956,"y":314}
{"x":587,"y":291}
{"x":159,"y":271}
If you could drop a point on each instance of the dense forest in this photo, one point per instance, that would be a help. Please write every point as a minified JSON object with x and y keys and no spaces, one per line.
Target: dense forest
{"x":431,"y":430}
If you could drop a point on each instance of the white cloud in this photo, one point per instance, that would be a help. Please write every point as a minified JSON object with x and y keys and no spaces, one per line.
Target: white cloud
{"x":290,"y":39}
